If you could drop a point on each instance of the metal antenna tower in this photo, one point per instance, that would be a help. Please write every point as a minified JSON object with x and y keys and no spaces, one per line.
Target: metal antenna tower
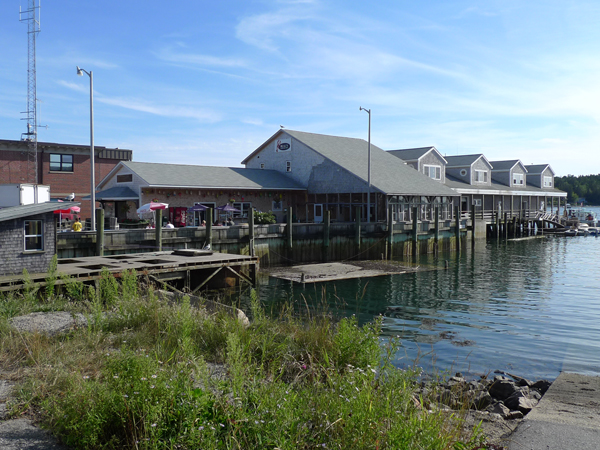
{"x":31,"y":16}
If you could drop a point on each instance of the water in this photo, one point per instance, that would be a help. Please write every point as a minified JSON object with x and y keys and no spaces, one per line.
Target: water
{"x":529,"y":307}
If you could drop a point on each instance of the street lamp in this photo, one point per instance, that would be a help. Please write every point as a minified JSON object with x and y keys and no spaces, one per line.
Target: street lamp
{"x":90,"y":74}
{"x":369,"y":165}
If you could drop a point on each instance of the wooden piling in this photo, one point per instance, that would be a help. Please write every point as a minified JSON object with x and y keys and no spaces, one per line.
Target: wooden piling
{"x":289,"y":228}
{"x":415,"y":230}
{"x":457,"y":216}
{"x":505,"y":226}
{"x":473,"y":225}
{"x":326,"y":230}
{"x":99,"y":232}
{"x":436,"y":235}
{"x":158,"y":229}
{"x":209,"y":227}
{"x":389,"y":247}
{"x":357,"y":229}
{"x":251,"y":249}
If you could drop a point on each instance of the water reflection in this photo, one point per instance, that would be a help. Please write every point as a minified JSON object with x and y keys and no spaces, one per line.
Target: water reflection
{"x":529,"y":306}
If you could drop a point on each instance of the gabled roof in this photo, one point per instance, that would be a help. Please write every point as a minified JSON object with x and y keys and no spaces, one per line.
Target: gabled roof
{"x":389,"y":174}
{"x":16,"y":212}
{"x":414,"y":154}
{"x":207,"y":177}
{"x":506,"y":165}
{"x":116,"y":193}
{"x":535,"y":169}
{"x":465,"y":160}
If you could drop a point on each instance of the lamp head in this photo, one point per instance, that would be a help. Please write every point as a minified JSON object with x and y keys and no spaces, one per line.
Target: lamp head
{"x":79,"y":71}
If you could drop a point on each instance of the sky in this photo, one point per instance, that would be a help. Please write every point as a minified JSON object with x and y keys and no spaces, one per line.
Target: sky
{"x":207,"y":82}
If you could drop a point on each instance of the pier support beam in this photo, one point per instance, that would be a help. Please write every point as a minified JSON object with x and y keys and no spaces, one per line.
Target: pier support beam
{"x":357,"y":229}
{"x":251,"y":250}
{"x":457,"y":231}
{"x":209,"y":227}
{"x":326,"y":233}
{"x":99,"y":232}
{"x":158,"y":229}
{"x":390,"y":246}
{"x":473,"y":225}
{"x":415,"y":230}
{"x":436,"y":235}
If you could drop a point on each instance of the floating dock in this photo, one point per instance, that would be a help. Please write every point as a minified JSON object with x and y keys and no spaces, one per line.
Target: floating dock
{"x":185,"y":270}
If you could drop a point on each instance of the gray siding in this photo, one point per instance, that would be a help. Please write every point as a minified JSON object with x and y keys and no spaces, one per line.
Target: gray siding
{"x":504,"y":177}
{"x":432,"y":159}
{"x":329,"y":178}
{"x":303,"y":160}
{"x":481,"y":165}
{"x":455,"y":172}
{"x":12,"y":246}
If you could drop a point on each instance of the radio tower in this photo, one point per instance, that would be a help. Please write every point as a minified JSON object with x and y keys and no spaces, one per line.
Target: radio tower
{"x":31,"y":16}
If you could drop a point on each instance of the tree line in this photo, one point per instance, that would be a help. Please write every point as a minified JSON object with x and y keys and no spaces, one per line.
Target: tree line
{"x":582,"y":186}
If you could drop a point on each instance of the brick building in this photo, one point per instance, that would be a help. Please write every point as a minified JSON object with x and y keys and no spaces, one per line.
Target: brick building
{"x":63,"y":167}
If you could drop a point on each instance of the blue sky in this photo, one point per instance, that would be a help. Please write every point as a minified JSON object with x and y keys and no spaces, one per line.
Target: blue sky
{"x":198,"y":82}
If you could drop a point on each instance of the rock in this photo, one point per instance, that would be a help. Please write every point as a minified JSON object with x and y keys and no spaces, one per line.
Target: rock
{"x":481,"y":400}
{"x":520,"y":402}
{"x":502,"y":389}
{"x":541,"y":386}
{"x":500,"y":409}
{"x":513,"y":415}
{"x":50,"y":323}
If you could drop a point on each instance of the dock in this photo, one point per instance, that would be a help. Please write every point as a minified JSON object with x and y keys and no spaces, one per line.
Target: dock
{"x":183,"y":270}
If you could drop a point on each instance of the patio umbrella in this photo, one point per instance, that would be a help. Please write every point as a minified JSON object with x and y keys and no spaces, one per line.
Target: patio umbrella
{"x":150,"y":207}
{"x":71,"y":210}
{"x":228,"y":208}
{"x":197,"y":208}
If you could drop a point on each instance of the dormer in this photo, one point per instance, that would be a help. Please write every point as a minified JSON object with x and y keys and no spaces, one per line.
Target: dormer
{"x":540,"y":175}
{"x":426,"y":160}
{"x":510,"y":173}
{"x":472,"y":169}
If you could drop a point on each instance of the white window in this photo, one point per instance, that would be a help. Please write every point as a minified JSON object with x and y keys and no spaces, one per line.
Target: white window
{"x":126,"y":178}
{"x":277,"y":205}
{"x":244,"y":208}
{"x":288,"y":166}
{"x":517,"y":178}
{"x":477,"y":202}
{"x":434,"y":172}
{"x":481,"y":176}
{"x":547,"y":181}
{"x":34,"y":235}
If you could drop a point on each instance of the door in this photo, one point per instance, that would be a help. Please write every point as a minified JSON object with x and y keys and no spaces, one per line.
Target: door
{"x":318,"y":213}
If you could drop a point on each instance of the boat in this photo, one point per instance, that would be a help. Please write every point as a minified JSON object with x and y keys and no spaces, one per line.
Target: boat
{"x":583,"y":215}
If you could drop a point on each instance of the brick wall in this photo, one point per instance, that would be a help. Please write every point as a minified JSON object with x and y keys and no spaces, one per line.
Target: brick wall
{"x":12,"y":256}
{"x":13,"y":169}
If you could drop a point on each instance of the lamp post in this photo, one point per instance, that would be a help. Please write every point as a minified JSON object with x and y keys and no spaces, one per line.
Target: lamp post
{"x":369,"y":166}
{"x":90,"y":74}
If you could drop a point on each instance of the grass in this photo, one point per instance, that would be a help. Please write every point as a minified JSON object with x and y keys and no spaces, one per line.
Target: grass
{"x":139,"y":377}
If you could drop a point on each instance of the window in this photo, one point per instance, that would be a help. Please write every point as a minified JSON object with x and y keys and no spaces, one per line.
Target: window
{"x":477,"y":202}
{"x":244,"y":208}
{"x":125,"y":178}
{"x":547,"y":181}
{"x":262,"y":165}
{"x":434,"y":172}
{"x":277,"y":206}
{"x":517,"y":178}
{"x":481,"y":176}
{"x":34,"y":235}
{"x":61,"y":163}
{"x":288,"y":166}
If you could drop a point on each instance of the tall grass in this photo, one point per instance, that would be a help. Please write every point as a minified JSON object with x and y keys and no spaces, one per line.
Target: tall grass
{"x":141,"y":378}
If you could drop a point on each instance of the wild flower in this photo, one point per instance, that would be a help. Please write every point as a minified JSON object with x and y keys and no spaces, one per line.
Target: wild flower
{"x":143,"y":378}
{"x":86,"y":377}
{"x":154,"y":376}
{"x":153,"y":425}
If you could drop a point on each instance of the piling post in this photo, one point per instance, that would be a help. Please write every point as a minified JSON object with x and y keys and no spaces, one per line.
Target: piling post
{"x":209,"y":227}
{"x":326,"y":228}
{"x":389,"y":248}
{"x":289,"y":228}
{"x":251,"y":233}
{"x":99,"y":232}
{"x":505,"y":226}
{"x":357,"y":229}
{"x":473,"y":227}
{"x":436,"y":235}
{"x":457,"y":214}
{"x":498,"y":225}
{"x":158,"y":229}
{"x":415,"y":230}
{"x":514,"y":226}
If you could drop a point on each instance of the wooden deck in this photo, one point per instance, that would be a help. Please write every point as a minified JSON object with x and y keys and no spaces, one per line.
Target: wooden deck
{"x":188,"y":270}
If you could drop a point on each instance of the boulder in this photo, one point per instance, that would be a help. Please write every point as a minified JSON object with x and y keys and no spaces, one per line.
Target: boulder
{"x":520,"y":402}
{"x":502,"y":388}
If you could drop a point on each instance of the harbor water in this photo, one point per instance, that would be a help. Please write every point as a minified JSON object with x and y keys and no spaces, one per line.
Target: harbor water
{"x":529,"y":307}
